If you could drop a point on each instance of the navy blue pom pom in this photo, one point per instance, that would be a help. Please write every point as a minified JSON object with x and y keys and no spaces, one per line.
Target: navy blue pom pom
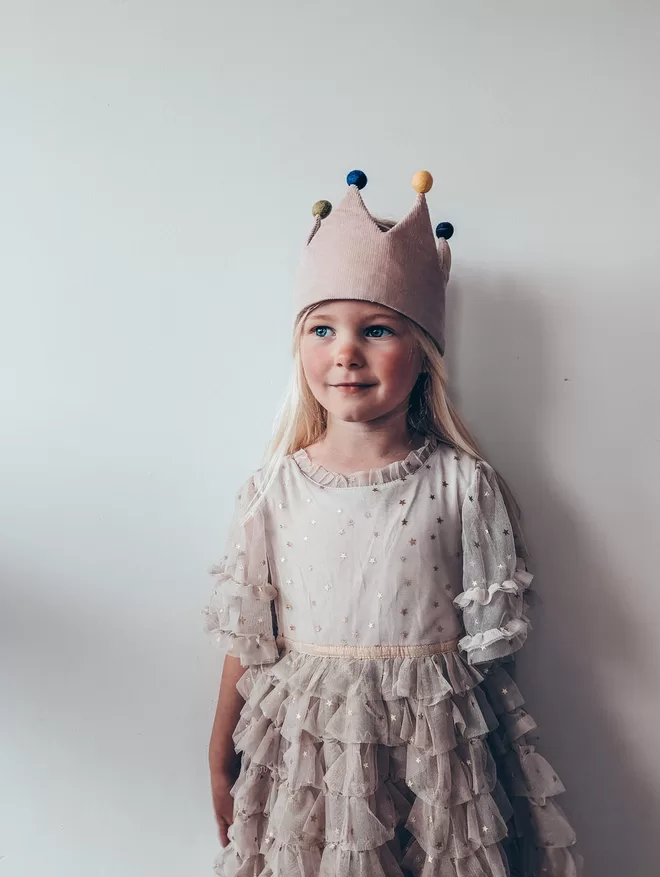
{"x":444,"y":230}
{"x":357,"y":178}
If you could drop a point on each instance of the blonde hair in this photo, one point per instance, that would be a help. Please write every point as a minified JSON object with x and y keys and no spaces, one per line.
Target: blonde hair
{"x":302,"y":420}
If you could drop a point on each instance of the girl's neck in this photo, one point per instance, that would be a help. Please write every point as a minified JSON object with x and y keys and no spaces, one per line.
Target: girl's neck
{"x":352,"y":447}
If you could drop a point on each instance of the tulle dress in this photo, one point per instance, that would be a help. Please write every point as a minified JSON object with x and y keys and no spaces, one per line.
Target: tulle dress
{"x":381,"y":734}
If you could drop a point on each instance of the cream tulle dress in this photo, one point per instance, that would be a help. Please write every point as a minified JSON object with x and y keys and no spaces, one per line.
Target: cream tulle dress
{"x":373,"y":744}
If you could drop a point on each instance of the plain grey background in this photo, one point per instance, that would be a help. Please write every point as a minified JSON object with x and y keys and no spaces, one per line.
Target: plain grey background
{"x":158,"y":163}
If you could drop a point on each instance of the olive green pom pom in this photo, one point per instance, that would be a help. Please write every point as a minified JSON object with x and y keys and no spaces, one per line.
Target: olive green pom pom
{"x":322,"y":209}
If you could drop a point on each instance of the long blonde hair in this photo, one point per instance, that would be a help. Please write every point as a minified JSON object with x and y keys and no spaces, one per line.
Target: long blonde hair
{"x":302,"y":420}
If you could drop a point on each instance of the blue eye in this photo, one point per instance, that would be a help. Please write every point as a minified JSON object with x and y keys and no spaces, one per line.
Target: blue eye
{"x":321,"y":331}
{"x":378,"y":328}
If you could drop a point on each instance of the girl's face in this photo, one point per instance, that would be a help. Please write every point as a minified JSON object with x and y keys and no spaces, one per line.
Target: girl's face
{"x":359,"y":359}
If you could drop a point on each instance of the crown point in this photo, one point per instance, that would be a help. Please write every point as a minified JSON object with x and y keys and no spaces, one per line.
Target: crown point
{"x":357,"y":178}
{"x":444,"y":230}
{"x":422,"y":182}
{"x":322,"y":209}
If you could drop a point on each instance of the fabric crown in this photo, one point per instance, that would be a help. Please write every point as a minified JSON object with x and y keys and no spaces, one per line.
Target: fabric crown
{"x":348,"y":256}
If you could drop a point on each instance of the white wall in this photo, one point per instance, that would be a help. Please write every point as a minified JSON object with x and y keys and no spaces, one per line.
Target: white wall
{"x":159,"y":160}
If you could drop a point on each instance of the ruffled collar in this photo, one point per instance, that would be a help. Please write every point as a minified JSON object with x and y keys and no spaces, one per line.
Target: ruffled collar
{"x":397,"y":471}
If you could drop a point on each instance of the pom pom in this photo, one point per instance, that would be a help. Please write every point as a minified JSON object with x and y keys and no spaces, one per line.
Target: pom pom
{"x":322,"y":209}
{"x":357,"y":178}
{"x":422,"y":182}
{"x":444,"y":230}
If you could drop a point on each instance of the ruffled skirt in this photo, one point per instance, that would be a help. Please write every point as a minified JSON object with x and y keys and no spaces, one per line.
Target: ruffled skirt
{"x":391,"y":767}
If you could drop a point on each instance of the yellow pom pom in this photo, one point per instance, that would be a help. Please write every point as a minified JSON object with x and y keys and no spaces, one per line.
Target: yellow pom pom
{"x":322,"y":209}
{"x":422,"y":182}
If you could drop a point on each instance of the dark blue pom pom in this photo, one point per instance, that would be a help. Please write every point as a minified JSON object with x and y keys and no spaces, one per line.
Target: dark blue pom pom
{"x":444,"y":230}
{"x":357,"y":178}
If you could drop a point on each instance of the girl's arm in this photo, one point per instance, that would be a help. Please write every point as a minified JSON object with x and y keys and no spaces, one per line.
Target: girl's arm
{"x":224,"y":762}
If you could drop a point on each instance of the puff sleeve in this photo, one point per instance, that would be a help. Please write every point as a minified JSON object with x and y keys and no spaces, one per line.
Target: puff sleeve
{"x":494,"y":577}
{"x":240,"y":615}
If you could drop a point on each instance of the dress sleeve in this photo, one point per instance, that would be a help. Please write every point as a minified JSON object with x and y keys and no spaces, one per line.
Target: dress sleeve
{"x":240,"y":614}
{"x":495,"y":577}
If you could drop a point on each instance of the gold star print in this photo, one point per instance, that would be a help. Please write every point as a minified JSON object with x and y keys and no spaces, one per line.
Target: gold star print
{"x":374,"y":490}
{"x":317,"y":628}
{"x":413,"y":541}
{"x":326,"y":587}
{"x":289,"y":582}
{"x":341,"y":532}
{"x":312,"y":521}
{"x":440,"y":628}
{"x":477,"y":544}
{"x":345,"y":619}
{"x":292,"y":627}
{"x":407,"y":583}
{"x":242,"y":619}
{"x":379,"y":595}
{"x":289,"y":544}
{"x":505,"y":691}
{"x":506,"y":532}
{"x":418,"y":760}
{"x":402,"y":502}
{"x":313,"y":817}
{"x":448,"y":587}
{"x":338,"y":511}
{"x":402,"y":558}
{"x":432,"y":496}
{"x":404,"y":611}
{"x":436,"y":603}
{"x":343,"y":555}
{"x":471,"y":498}
{"x":298,"y":715}
{"x":372,"y":560}
{"x":432,"y":535}
{"x":371,"y":624}
{"x":288,"y":606}
{"x":436,"y":568}
{"x":405,"y":634}
{"x":404,"y":522}
{"x":328,"y":703}
{"x":439,"y":520}
{"x":445,"y":484}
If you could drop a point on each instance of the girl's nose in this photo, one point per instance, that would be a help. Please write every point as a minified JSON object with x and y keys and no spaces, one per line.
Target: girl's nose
{"x":349,"y":355}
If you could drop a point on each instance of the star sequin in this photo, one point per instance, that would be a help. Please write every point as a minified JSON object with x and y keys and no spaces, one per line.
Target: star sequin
{"x":372,"y":560}
{"x":371,"y":624}
{"x":343,"y":555}
{"x":312,"y":521}
{"x":471,"y":498}
{"x":433,"y":536}
{"x":341,"y":532}
{"x":345,"y":619}
{"x":445,"y":484}
{"x":436,"y":568}
{"x":436,"y":603}
{"x":404,"y":522}
{"x":505,"y":691}
{"x":506,"y":532}
{"x":338,"y":511}
{"x":432,"y":496}
{"x":289,"y":544}
{"x":326,"y":587}
{"x":439,"y":520}
{"x":405,"y":634}
{"x":317,"y":628}
{"x":292,"y":627}
{"x":408,"y":583}
{"x":288,"y":605}
{"x":299,"y":715}
{"x":379,"y":595}
{"x":328,"y":703}
{"x":305,"y":538}
{"x":402,"y":502}
{"x":242,"y":619}
{"x":404,"y":611}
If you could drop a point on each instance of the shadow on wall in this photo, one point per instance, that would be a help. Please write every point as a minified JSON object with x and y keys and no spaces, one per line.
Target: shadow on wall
{"x":584,"y":672}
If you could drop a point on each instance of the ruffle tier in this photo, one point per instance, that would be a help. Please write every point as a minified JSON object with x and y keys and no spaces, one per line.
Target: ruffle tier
{"x":390,"y":767}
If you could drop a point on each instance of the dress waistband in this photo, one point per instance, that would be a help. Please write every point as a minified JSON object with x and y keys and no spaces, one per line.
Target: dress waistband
{"x":420,"y":650}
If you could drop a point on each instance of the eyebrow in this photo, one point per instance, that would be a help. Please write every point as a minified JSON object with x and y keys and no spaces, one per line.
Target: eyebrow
{"x":376,"y":315}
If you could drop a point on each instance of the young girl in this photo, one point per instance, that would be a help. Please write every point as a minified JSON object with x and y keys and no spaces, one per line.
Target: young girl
{"x":374,"y":588}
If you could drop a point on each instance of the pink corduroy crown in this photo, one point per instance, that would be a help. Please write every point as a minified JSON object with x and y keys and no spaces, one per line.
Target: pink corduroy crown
{"x":348,"y":256}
